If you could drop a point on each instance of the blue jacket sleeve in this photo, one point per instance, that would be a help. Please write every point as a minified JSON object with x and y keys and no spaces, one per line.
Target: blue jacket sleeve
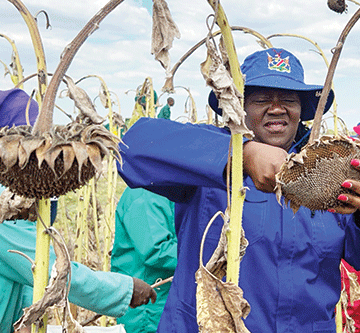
{"x":102,"y":292}
{"x":171,"y":159}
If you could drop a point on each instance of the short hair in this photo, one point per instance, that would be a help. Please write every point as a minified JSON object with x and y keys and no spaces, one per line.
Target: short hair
{"x":170,"y":100}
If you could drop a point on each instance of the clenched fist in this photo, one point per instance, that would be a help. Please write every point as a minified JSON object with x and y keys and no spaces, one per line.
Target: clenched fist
{"x":142,"y":293}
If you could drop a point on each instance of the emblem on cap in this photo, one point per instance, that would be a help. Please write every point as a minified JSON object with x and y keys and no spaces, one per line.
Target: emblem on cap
{"x":276,"y":63}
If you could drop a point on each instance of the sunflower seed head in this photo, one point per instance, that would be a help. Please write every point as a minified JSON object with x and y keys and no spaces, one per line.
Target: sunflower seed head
{"x":314,"y":181}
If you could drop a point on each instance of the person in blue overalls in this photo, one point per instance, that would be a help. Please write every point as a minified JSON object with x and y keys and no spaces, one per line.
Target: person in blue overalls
{"x":290,"y":273}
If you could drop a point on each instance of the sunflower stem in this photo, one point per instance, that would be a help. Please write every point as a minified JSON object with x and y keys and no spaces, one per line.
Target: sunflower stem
{"x":237,"y":195}
{"x":38,"y":47}
{"x":42,"y":255}
{"x":315,"y":132}
{"x":45,"y":119}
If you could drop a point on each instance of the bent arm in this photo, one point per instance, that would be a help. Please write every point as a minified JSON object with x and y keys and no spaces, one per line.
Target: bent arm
{"x":159,"y":154}
{"x":102,"y":292}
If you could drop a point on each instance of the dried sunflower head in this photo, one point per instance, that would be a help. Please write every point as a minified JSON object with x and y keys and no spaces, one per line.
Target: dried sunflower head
{"x":338,"y":6}
{"x":53,"y":163}
{"x":313,"y":177}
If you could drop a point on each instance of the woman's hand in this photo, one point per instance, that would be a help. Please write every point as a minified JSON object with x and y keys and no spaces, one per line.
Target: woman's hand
{"x":352,"y":200}
{"x":262,"y":162}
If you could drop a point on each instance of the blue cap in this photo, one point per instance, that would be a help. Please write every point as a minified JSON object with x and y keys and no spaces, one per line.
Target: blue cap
{"x":13,"y":106}
{"x":278,"y":68}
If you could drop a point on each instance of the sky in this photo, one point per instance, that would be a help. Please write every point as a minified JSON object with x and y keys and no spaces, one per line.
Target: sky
{"x":120,"y":50}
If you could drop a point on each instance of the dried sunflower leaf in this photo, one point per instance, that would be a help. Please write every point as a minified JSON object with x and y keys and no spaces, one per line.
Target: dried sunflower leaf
{"x":80,"y":152}
{"x":51,"y":156}
{"x":222,"y":84}
{"x":83,"y":102}
{"x":164,"y":30}
{"x":214,"y":311}
{"x":68,"y":157}
{"x":220,"y":305}
{"x":42,"y":150}
{"x":56,"y":291}
{"x":105,"y":101}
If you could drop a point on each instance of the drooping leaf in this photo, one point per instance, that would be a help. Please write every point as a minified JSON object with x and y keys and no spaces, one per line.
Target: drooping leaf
{"x":164,"y":30}
{"x":83,"y":102}
{"x":219,"y":79}
{"x":56,"y":292}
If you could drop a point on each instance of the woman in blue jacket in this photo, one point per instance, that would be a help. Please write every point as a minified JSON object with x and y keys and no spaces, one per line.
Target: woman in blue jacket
{"x":290,"y":273}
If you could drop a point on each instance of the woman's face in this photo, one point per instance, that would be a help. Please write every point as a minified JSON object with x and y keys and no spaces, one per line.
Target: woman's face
{"x":273,"y":115}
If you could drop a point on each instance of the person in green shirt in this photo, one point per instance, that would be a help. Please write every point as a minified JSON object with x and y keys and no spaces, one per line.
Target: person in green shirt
{"x":165,"y":112}
{"x":145,"y":247}
{"x":106,"y":293}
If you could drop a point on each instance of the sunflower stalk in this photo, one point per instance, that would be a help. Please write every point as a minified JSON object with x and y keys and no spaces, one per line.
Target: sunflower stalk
{"x":79,"y":225}
{"x":38,"y":47}
{"x":42,"y":256}
{"x":315,"y":132}
{"x":150,"y":102}
{"x":45,"y":119}
{"x":237,"y":196}
{"x":95,"y":217}
{"x":87,"y":192}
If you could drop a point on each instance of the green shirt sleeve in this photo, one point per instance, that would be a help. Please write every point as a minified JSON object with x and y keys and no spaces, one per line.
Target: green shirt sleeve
{"x":106,"y":293}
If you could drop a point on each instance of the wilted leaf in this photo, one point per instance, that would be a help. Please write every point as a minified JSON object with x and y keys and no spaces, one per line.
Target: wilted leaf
{"x":83,"y":102}
{"x":105,"y":101}
{"x":43,"y":149}
{"x":80,"y":152}
{"x":56,"y":291}
{"x":27,"y":146}
{"x":217,"y":264}
{"x":93,"y":152}
{"x":164,"y":30}
{"x":220,"y":305}
{"x":68,"y":157}
{"x":219,"y":79}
